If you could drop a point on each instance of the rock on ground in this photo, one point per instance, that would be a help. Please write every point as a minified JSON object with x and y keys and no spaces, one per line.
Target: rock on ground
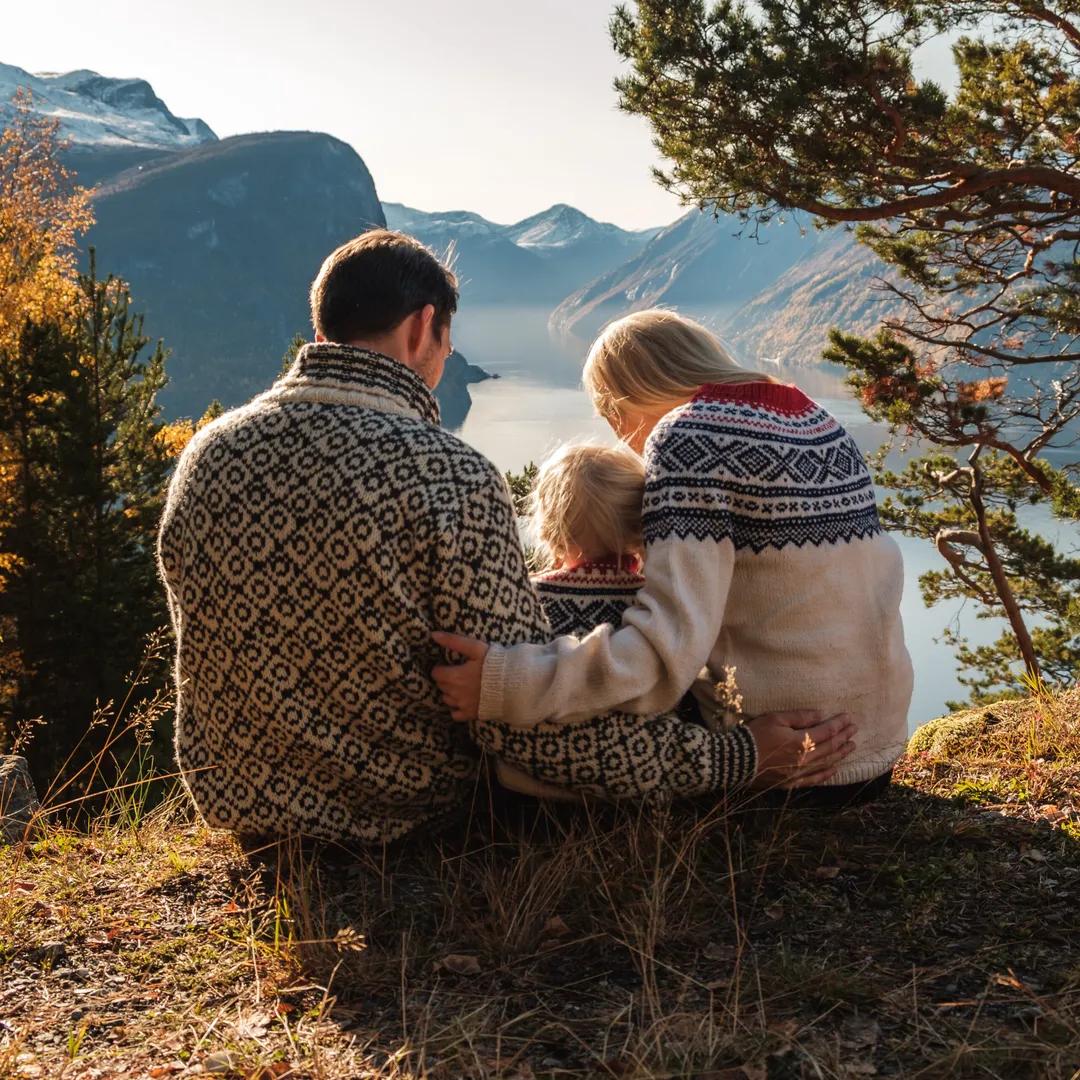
{"x":18,"y":799}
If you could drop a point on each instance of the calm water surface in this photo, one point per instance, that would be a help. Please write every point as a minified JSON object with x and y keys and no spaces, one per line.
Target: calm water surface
{"x":537,"y":403}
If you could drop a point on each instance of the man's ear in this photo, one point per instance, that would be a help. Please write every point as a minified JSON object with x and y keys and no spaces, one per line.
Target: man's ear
{"x":319,"y":337}
{"x":419,"y":323}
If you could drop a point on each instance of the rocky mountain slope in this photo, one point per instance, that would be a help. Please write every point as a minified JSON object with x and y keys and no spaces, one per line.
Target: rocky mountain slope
{"x":696,"y":263}
{"x":99,"y":112}
{"x":220,"y":244}
{"x":788,"y":321}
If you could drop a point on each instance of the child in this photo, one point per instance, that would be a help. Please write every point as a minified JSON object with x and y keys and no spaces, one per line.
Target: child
{"x":586,"y":517}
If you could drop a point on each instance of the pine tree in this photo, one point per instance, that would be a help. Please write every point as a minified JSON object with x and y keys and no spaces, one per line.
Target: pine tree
{"x":83,"y":463}
{"x":94,"y":466}
{"x":972,"y":201}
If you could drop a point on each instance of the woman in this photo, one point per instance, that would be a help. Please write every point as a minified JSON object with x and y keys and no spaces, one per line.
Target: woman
{"x":763,"y":551}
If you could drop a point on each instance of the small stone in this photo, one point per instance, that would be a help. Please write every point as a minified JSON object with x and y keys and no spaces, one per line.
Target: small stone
{"x":50,"y":953}
{"x":18,"y":799}
{"x":219,"y":1062}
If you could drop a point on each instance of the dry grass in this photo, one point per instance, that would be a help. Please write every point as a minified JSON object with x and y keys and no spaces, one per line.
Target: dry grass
{"x":932,"y":934}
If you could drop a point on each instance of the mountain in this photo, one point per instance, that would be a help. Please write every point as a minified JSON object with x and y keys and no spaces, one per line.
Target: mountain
{"x":789,"y":320}
{"x":220,"y":243}
{"x":99,"y":112}
{"x":594,"y":246}
{"x":697,"y":263}
{"x":452,"y":393}
{"x":491,"y":268}
{"x":536,"y":261}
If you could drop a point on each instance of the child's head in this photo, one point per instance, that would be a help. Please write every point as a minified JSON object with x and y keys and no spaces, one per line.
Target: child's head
{"x":586,"y":503}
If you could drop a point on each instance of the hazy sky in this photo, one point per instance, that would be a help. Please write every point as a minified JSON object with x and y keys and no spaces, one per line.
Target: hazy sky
{"x":498,"y":106}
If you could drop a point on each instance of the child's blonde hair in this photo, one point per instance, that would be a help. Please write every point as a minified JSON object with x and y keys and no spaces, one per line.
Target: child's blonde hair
{"x":589,"y":497}
{"x":654,"y":360}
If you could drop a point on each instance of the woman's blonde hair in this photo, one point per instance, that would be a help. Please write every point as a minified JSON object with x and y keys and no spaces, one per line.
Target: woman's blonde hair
{"x":589,"y":497}
{"x":654,"y":360}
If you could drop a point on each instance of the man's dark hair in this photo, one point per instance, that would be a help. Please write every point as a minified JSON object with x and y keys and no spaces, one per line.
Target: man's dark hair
{"x":369,"y":285}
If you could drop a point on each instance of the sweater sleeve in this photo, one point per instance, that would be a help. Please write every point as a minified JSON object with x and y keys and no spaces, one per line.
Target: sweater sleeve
{"x":666,"y":636}
{"x":613,"y":755}
{"x":616,"y":755}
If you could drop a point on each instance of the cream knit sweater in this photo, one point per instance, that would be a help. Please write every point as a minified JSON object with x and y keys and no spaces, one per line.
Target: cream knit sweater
{"x":764,"y":552}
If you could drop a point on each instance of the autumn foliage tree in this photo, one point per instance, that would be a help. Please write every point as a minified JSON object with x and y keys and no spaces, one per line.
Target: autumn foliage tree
{"x":85,"y":457}
{"x":972,"y":201}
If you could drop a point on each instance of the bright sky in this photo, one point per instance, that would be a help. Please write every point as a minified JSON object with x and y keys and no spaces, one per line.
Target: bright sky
{"x":503,"y":107}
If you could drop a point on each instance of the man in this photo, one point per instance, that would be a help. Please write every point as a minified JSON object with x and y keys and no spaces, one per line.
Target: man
{"x":311,"y":542}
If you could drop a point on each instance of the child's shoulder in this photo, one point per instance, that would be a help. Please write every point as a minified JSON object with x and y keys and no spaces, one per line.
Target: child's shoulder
{"x":624,"y":574}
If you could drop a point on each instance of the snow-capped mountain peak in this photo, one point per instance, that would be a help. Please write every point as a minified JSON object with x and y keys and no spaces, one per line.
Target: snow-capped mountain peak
{"x":559,"y":226}
{"x":97,"y":111}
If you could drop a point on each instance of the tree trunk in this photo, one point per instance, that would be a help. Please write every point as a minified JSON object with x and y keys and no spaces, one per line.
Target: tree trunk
{"x":997,"y":573}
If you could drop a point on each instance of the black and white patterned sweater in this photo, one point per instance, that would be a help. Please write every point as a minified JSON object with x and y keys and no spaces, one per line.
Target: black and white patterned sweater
{"x":764,"y":553}
{"x":310,"y":543}
{"x":579,"y":599}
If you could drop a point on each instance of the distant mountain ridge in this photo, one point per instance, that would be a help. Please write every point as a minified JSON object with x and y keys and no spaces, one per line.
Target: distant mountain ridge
{"x":219,"y":240}
{"x":100,"y":112}
{"x":538,"y":260}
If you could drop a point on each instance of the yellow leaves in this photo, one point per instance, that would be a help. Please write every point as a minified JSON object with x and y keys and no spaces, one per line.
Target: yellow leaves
{"x":175,"y":436}
{"x":41,"y":214}
{"x":9,"y":563}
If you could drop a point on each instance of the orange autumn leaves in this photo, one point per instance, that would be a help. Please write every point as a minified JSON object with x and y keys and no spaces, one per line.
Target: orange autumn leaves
{"x":175,"y":435}
{"x":41,"y":215}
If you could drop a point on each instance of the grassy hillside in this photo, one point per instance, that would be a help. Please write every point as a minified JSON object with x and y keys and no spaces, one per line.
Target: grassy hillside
{"x":932,"y":934}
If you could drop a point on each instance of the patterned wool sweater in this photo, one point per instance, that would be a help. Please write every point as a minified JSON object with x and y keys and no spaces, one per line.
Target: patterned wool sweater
{"x":763,"y":552}
{"x":578,"y":600}
{"x":310,"y":543}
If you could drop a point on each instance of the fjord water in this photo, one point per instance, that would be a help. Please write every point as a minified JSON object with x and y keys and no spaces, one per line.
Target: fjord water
{"x":537,"y":402}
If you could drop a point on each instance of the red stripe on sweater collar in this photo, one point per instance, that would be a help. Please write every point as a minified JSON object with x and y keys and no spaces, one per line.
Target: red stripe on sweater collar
{"x":780,"y":397}
{"x":625,"y":564}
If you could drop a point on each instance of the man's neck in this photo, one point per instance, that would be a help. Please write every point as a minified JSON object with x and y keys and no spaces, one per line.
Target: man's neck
{"x":394,"y":349}
{"x":380,"y":346}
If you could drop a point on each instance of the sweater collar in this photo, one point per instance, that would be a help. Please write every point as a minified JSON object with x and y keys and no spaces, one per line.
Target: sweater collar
{"x":348,"y":375}
{"x":780,"y":397}
{"x":624,"y":568}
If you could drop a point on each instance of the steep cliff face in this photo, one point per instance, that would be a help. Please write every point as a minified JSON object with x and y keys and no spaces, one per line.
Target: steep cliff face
{"x":789,"y":320}
{"x":220,"y":244}
{"x":696,"y":263}
{"x":452,"y":393}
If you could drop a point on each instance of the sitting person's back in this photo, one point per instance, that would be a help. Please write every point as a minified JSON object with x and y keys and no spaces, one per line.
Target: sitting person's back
{"x":305,"y":538}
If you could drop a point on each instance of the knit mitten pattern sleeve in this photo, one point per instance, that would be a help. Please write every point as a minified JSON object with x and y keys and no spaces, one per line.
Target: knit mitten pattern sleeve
{"x":617,"y":755}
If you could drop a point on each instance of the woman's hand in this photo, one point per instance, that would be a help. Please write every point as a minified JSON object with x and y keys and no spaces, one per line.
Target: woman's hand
{"x":799,"y":749}
{"x":460,"y":683}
